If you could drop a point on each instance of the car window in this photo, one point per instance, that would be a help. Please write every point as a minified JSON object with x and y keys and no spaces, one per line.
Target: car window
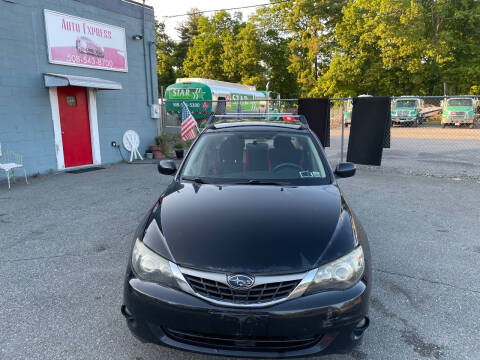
{"x":243,"y":156}
{"x":405,"y":104}
{"x":460,"y":102}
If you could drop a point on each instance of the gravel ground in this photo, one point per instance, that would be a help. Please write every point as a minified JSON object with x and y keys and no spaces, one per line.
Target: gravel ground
{"x":64,"y":241}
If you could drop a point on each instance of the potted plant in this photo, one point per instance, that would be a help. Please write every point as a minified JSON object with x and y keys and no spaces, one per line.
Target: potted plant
{"x":158,"y":149}
{"x":179,"y":150}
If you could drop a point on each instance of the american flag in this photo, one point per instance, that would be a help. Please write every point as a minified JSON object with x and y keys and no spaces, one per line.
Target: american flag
{"x":188,"y":124}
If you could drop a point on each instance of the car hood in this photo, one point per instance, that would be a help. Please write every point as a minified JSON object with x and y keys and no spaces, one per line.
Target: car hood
{"x":252,"y":228}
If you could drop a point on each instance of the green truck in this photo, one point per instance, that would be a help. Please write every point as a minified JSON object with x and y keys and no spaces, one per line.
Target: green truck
{"x":201,"y":96}
{"x":459,"y":111}
{"x":407,"y":111}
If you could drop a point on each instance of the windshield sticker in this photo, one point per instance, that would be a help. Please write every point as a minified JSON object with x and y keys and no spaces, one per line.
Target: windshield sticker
{"x":309,"y":174}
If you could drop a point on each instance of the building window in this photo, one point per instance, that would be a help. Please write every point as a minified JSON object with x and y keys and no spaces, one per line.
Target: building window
{"x":71,"y":101}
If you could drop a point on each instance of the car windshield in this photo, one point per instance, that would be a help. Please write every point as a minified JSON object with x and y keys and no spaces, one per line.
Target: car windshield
{"x":256,"y":157}
{"x":405,"y":103}
{"x":460,"y":102}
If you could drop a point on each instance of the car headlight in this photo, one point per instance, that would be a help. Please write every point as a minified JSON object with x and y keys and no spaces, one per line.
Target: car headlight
{"x":150,"y":266}
{"x":394,"y":113}
{"x":412,"y":112}
{"x":339,"y":274}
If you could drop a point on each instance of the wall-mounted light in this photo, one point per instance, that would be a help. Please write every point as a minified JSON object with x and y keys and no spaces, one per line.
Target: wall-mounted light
{"x":137,"y":37}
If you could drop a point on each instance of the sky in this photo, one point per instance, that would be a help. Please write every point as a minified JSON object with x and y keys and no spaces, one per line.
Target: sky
{"x":173,"y":7}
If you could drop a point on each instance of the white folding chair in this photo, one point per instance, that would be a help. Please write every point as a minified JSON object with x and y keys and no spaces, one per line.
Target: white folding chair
{"x":9,"y":161}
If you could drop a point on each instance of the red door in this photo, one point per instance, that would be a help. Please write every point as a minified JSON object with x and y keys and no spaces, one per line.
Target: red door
{"x":73,"y":107}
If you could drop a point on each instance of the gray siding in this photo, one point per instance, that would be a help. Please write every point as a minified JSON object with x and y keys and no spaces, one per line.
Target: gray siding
{"x":26,"y":123}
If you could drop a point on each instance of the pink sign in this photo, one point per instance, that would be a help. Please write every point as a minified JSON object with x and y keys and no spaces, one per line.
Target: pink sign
{"x":81,"y":42}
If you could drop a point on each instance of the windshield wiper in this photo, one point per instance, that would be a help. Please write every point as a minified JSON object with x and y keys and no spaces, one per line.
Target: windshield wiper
{"x":262,"y":182}
{"x":195,"y":179}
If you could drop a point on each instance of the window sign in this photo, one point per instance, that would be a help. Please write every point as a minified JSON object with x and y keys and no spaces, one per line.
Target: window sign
{"x":81,"y":42}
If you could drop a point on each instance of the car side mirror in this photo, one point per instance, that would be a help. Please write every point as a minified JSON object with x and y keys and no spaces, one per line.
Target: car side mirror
{"x":167,"y":167}
{"x":345,"y":169}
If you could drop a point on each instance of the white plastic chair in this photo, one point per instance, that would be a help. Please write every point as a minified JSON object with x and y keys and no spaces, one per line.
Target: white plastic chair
{"x":9,"y":161}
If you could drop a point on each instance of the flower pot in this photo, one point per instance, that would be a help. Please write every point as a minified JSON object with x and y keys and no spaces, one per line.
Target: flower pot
{"x":179,"y":153}
{"x":155,"y":147}
{"x":149,"y":155}
{"x":158,"y":154}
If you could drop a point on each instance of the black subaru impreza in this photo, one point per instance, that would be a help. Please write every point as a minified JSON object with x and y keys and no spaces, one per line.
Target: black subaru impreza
{"x":252,"y":249}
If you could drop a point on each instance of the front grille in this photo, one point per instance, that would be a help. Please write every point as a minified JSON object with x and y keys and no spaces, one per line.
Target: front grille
{"x":257,"y":294}
{"x":403,"y":112}
{"x":257,"y":343}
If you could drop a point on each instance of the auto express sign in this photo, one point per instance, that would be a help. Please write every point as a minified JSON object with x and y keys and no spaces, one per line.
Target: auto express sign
{"x":81,"y":42}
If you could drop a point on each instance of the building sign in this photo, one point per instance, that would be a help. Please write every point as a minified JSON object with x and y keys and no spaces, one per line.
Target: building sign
{"x":81,"y":42}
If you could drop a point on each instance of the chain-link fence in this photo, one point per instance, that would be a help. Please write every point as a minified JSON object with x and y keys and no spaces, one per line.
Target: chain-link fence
{"x":437,"y":135}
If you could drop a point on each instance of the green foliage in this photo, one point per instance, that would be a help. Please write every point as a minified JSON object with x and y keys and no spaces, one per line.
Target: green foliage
{"x":166,"y":61}
{"x":178,"y":146}
{"x":225,"y":49}
{"x":394,"y":47}
{"x":161,"y":140}
{"x":187,"y":31}
{"x":333,"y":47}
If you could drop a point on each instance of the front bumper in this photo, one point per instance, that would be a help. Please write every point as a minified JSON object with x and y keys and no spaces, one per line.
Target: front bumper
{"x":321,"y":323}
{"x":401,"y":120}
{"x":457,"y":121}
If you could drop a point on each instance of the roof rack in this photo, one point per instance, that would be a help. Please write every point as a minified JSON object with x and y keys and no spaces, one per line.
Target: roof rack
{"x":286,"y":118}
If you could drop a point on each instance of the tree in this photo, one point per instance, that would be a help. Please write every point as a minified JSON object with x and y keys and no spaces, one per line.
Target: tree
{"x":274,"y":52}
{"x":225,"y":49}
{"x":166,"y":61}
{"x":241,"y":57}
{"x":453,"y":27}
{"x":334,"y":47}
{"x":187,"y":31}
{"x":309,"y":26}
{"x":379,"y":42}
{"x":394,"y":47}
{"x":203,"y":57}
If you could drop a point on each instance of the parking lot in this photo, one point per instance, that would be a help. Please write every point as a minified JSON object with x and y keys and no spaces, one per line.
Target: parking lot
{"x":65,"y":239}
{"x":425,"y":150}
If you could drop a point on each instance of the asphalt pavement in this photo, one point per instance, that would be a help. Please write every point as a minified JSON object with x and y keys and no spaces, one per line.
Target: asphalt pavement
{"x":65,"y":238}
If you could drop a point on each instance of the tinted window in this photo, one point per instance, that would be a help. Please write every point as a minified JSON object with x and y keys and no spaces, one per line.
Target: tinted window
{"x":286,"y":157}
{"x":460,"y":102}
{"x":405,"y":104}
